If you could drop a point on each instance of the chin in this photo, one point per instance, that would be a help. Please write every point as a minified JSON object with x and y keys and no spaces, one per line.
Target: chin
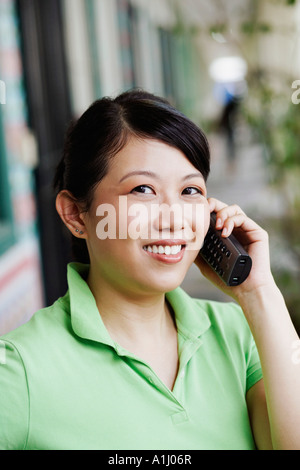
{"x":164,"y":283}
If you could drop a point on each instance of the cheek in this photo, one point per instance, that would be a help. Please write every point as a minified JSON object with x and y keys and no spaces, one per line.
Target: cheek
{"x":198,"y":217}
{"x":134,"y":222}
{"x":206,"y":218}
{"x":201,"y":216}
{"x":197,"y":224}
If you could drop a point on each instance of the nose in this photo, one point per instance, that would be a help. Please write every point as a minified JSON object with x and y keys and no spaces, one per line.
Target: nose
{"x":170,"y":217}
{"x":180,"y":219}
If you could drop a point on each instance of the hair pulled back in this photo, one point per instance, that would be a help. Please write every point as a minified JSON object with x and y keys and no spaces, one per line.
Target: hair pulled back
{"x":104,"y":129}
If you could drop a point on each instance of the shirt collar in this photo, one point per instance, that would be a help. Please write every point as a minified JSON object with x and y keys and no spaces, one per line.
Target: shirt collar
{"x":85,"y":318}
{"x":191,"y":318}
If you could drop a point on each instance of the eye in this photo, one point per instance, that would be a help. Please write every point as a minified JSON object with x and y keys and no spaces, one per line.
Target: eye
{"x":190,"y":190}
{"x":144,"y":189}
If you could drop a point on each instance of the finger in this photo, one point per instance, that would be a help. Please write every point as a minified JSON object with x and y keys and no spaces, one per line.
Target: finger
{"x":229,"y":211}
{"x":226,"y":212}
{"x":231,"y":222}
{"x":215,"y":205}
{"x":229,"y":217}
{"x":244,"y":224}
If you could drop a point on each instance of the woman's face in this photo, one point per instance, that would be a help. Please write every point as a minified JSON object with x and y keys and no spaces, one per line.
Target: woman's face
{"x":148,"y":219}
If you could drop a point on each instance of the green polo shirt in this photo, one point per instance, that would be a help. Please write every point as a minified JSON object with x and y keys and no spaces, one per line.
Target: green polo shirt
{"x":65,"y":384}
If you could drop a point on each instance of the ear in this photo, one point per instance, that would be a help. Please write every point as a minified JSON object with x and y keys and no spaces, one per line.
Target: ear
{"x":71,"y":214}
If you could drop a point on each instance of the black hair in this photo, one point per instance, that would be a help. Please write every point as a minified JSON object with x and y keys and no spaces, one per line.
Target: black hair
{"x":104,"y":129}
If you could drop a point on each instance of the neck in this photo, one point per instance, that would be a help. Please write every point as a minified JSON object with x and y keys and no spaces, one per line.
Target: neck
{"x":131,"y":317}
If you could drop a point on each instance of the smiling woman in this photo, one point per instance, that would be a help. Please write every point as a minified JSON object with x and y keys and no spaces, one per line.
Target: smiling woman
{"x":104,"y":130}
{"x":126,"y":359}
{"x":149,"y":200}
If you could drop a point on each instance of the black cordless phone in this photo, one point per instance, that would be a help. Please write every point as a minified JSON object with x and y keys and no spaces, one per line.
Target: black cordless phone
{"x":225,"y":255}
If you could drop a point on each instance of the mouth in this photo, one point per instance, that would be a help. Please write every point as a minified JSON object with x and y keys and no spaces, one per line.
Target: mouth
{"x":167,"y":251}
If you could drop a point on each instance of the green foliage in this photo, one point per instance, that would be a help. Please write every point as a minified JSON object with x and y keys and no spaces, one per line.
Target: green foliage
{"x":250,"y":27}
{"x":218,"y":28}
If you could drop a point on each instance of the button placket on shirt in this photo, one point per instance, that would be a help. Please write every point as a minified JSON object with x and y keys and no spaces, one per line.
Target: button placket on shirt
{"x":148,"y":373}
{"x":189,"y":348}
{"x":176,"y":395}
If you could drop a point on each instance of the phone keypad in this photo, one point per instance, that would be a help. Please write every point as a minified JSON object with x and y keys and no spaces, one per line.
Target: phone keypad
{"x":226,"y":256}
{"x":215,"y":251}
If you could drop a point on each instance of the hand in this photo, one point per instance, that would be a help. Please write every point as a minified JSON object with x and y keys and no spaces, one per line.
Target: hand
{"x":253,"y":238}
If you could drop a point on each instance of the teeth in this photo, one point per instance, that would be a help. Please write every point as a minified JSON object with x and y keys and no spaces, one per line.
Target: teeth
{"x":163,"y":250}
{"x":175,"y":249}
{"x":167,"y":250}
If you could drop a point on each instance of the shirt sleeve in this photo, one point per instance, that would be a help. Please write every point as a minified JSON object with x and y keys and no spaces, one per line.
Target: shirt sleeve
{"x":242,"y":342}
{"x":14,"y":399}
{"x":254,"y":371}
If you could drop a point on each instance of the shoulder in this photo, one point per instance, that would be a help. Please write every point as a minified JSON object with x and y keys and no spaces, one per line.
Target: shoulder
{"x":20,"y":350}
{"x":227,"y":321}
{"x":230,"y":339}
{"x":224,"y":322}
{"x":41,"y":326}
{"x":223,"y":315}
{"x":24,"y":354}
{"x":230,"y":334}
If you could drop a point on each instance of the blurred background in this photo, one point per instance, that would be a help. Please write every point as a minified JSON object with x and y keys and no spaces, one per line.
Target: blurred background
{"x":232,"y":66}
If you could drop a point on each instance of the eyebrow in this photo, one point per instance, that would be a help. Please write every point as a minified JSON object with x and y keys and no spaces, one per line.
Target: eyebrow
{"x":155,"y":175}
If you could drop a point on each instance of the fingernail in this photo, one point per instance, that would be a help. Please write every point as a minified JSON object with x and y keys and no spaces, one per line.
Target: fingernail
{"x":219,"y":223}
{"x":224,"y":231}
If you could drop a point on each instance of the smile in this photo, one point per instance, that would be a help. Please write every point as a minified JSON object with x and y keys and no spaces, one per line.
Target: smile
{"x":163,"y":250}
{"x":166,"y":253}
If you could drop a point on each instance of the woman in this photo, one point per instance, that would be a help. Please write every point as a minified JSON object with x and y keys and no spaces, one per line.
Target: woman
{"x":126,"y":359}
